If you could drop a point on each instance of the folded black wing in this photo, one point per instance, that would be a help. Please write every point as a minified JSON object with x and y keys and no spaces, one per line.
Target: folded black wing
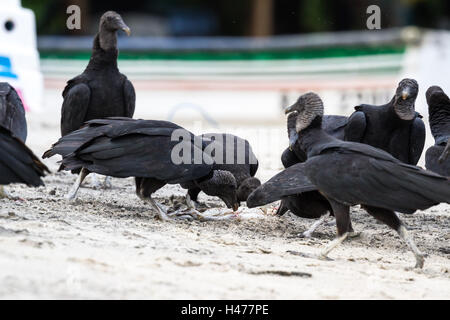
{"x":355,"y":178}
{"x":18,"y":164}
{"x":123,"y":147}
{"x":290,"y":181}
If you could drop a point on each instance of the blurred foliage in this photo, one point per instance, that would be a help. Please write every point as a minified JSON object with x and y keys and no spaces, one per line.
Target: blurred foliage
{"x":233,"y":17}
{"x":50,"y":15}
{"x":315,"y":15}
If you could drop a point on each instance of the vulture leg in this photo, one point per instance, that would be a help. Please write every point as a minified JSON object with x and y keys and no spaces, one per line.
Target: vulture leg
{"x":282,"y":209}
{"x":145,"y":187}
{"x":162,"y":214}
{"x":72,"y":195}
{"x":107,"y":183}
{"x":420,"y":259}
{"x":342,"y":215}
{"x":190,"y":203}
{"x":144,"y":190}
{"x":333,"y":244}
{"x":392,"y":220}
{"x":352,"y":233}
{"x":308,"y":233}
{"x":191,"y":198}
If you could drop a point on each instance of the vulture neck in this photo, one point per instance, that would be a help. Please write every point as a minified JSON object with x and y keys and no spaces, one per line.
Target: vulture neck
{"x":292,"y":117}
{"x":389,"y":109}
{"x":104,"y":51}
{"x":440,"y":121}
{"x":312,"y":136}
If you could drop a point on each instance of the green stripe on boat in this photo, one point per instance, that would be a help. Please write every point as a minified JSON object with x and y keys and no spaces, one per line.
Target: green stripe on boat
{"x":303,"y":54}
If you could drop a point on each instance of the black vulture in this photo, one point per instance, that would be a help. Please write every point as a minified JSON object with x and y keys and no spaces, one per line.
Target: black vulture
{"x":349,"y":173}
{"x":149,"y":150}
{"x":18,"y":164}
{"x":311,"y":204}
{"x":101,"y":91}
{"x":394,"y":127}
{"x":233,"y":154}
{"x":12,"y":113}
{"x":439,"y":113}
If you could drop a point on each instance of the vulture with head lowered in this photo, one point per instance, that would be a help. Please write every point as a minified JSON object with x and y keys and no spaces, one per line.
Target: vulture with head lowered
{"x":155,"y":152}
{"x":233,"y":154}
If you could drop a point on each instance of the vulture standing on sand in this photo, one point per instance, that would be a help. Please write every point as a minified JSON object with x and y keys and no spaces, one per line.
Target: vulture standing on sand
{"x":311,"y":204}
{"x":17,"y":163}
{"x":233,"y":154}
{"x":349,"y":173}
{"x":436,"y":157}
{"x":101,"y":91}
{"x":394,"y":127}
{"x":149,"y":150}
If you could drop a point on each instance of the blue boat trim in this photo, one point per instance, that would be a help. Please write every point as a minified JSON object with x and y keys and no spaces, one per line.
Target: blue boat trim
{"x":6,"y":68}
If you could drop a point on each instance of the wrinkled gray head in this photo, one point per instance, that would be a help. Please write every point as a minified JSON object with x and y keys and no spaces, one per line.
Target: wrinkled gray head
{"x":246,"y":187}
{"x":436,"y":97}
{"x":308,"y":107}
{"x":404,"y":99}
{"x":222,"y":184}
{"x":112,"y":21}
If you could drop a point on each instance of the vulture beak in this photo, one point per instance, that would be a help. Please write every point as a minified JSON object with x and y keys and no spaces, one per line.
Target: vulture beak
{"x":290,"y":108}
{"x":405,"y":94}
{"x":292,"y":140}
{"x":123,"y":27}
{"x":231,"y":202}
{"x":126,"y":30}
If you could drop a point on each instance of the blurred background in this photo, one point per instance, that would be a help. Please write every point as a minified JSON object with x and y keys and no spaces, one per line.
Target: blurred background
{"x":240,"y":17}
{"x":228,"y":65}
